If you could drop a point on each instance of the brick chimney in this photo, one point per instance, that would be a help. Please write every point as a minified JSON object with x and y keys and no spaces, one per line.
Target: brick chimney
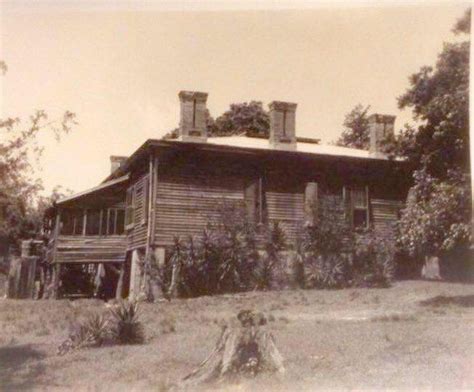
{"x":380,"y":126}
{"x":192,"y":124}
{"x":282,"y":125}
{"x":116,"y":162}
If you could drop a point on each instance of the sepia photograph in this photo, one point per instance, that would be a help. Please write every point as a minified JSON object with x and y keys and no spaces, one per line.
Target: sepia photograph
{"x":242,"y":196}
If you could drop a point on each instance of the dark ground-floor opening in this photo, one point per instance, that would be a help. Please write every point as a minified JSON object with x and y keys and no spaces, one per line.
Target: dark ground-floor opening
{"x":90,"y":280}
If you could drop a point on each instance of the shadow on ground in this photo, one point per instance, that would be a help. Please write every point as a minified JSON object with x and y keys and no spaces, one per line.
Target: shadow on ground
{"x":465,"y":301}
{"x":20,"y":366}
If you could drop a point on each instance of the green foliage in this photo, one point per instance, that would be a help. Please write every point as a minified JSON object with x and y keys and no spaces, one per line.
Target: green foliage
{"x":20,"y":153}
{"x":326,"y":272}
{"x":221,"y":260}
{"x":246,"y":118}
{"x":329,"y":233}
{"x":435,"y":221}
{"x":275,"y":242}
{"x":323,"y":246}
{"x":243,"y":118}
{"x":128,"y":328}
{"x":90,"y":333}
{"x":436,"y":218}
{"x":356,"y":129}
{"x":374,"y":260}
{"x":121,"y":325}
{"x":439,"y":98}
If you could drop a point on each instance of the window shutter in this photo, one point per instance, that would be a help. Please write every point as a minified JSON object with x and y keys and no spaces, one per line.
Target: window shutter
{"x":146,"y":199}
{"x":311,"y":202}
{"x":251,"y":197}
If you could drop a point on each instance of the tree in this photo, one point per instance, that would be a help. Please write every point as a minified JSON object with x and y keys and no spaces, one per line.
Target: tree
{"x":436,"y":219}
{"x":356,"y":129}
{"x":439,"y":98}
{"x":19,"y":185}
{"x":248,"y":118}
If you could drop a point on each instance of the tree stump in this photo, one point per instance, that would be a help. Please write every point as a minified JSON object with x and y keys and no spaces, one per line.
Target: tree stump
{"x":243,"y":349}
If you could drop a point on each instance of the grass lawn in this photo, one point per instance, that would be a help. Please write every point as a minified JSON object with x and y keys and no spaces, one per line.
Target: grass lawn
{"x":345,"y":339}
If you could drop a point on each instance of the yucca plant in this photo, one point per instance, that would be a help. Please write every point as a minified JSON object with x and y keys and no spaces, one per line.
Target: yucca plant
{"x":326,"y":272}
{"x":128,"y":328}
{"x":90,"y":333}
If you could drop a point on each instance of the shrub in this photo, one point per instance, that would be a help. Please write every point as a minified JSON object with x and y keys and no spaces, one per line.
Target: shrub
{"x":326,"y":272}
{"x":128,"y":328}
{"x":323,"y":245}
{"x":436,"y":220}
{"x":222,"y":259}
{"x":121,"y":325}
{"x":374,"y":260}
{"x":275,"y":242}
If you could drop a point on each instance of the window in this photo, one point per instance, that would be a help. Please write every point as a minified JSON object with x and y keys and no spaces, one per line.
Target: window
{"x":255,"y":201}
{"x":72,"y":221}
{"x":129,"y":208}
{"x":119,"y":222}
{"x":93,"y":222}
{"x":115,"y":221}
{"x":104,"y":222}
{"x":357,"y":206}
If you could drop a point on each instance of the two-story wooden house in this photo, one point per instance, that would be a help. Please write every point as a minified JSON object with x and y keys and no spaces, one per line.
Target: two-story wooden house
{"x":170,"y":188}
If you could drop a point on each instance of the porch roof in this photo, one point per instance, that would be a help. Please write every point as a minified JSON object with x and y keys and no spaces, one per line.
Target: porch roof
{"x":101,"y":187}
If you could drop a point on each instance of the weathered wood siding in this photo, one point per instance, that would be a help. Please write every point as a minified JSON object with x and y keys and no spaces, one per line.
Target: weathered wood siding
{"x":287,"y":208}
{"x":385,"y":215}
{"x":90,"y":249}
{"x":186,"y":201}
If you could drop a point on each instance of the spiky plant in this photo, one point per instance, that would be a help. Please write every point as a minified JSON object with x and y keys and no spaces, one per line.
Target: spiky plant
{"x":90,"y":333}
{"x":128,"y":328}
{"x":327,"y":272}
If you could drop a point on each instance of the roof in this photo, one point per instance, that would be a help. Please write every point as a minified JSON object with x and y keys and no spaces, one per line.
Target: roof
{"x":100,"y":187}
{"x":309,"y":148}
{"x":246,"y":144}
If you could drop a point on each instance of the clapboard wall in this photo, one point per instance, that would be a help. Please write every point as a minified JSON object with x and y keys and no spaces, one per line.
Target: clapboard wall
{"x":187,"y":198}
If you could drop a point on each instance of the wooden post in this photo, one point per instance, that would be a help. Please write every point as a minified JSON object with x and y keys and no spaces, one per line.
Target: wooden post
{"x":84,"y":222}
{"x":56,"y":279}
{"x":57,"y":229}
{"x":146,"y":284}
{"x":107,"y":223}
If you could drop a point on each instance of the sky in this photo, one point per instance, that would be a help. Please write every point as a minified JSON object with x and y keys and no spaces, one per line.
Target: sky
{"x":120,"y":67}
